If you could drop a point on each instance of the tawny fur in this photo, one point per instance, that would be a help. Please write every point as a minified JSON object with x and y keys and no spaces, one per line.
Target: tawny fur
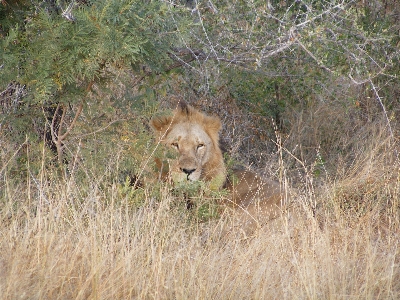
{"x":196,"y":138}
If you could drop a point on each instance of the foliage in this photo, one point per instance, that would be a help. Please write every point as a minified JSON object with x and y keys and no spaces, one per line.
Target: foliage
{"x":63,"y":57}
{"x":288,"y":60}
{"x":51,"y":54}
{"x":57,"y":57}
{"x":303,"y":43}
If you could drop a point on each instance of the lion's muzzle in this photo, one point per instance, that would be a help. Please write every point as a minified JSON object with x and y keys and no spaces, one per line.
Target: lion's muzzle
{"x":188,"y":172}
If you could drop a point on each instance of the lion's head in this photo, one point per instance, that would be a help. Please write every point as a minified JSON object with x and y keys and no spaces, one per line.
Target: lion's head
{"x":195,"y":138}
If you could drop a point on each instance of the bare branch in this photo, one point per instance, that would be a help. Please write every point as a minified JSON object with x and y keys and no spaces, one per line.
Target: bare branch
{"x":53,"y":135}
{"x":383,"y":107}
{"x":98,"y":130}
{"x":312,"y":56}
{"x":59,"y":136}
{"x":77,"y":114}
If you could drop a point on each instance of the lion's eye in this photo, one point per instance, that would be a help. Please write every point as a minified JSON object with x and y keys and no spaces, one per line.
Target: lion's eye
{"x":175,"y":145}
{"x":199,"y":146}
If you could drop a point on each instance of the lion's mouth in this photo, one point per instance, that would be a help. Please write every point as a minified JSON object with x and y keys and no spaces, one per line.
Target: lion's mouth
{"x":193,"y":177}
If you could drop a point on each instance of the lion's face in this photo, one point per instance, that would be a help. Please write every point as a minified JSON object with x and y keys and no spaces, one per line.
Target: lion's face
{"x":194,"y":148}
{"x":194,"y":137}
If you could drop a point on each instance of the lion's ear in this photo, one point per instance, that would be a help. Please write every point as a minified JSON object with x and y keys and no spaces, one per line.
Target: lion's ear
{"x":213,"y":124}
{"x":185,"y":108}
{"x":160,"y":123}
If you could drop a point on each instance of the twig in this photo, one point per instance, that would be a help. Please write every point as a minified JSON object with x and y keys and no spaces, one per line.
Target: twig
{"x":369,"y":80}
{"x":67,"y":132}
{"x":179,"y":62}
{"x":312,"y":56}
{"x":98,"y":130}
{"x":383,"y":107}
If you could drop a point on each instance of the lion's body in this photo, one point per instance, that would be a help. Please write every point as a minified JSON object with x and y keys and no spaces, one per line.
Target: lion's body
{"x":195,"y":137}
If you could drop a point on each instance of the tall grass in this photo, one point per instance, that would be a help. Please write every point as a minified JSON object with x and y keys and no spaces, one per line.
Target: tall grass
{"x":86,"y":238}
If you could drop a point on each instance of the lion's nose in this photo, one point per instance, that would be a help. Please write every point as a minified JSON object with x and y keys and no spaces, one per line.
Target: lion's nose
{"x":188,"y":171}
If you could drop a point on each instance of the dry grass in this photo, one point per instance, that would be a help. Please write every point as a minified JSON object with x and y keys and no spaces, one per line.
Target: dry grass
{"x":60,"y":240}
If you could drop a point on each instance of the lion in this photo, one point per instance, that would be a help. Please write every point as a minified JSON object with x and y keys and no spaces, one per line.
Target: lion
{"x":194,"y":136}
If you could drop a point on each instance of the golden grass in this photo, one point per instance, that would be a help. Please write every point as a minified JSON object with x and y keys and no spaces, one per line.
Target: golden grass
{"x":65,"y":244}
{"x":83,"y":238}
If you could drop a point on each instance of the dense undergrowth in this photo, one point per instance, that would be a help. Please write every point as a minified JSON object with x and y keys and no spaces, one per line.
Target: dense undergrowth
{"x":89,"y":235}
{"x":308,"y":95}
